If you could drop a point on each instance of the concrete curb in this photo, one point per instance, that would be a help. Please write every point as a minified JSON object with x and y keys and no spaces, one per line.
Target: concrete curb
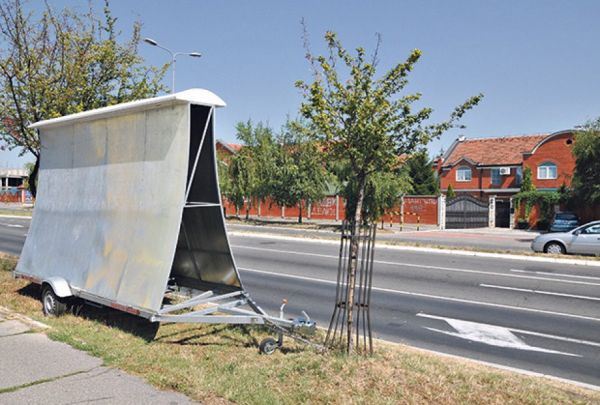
{"x":15,"y":216}
{"x":9,"y":314}
{"x":509,"y":256}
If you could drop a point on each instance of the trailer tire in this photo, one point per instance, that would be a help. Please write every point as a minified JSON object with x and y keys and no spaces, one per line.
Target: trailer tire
{"x":268,"y":346}
{"x":52,"y":304}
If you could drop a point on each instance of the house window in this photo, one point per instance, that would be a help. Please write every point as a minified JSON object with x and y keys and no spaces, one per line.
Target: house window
{"x":496,"y":178}
{"x":546,"y":171}
{"x":463,"y":173}
{"x":519,"y":176}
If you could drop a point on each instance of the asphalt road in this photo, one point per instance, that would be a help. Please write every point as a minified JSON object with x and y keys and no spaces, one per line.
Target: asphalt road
{"x":542,"y":317}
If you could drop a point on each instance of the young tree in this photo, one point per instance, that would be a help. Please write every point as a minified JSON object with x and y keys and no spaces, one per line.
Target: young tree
{"x":586,"y":181}
{"x":300,"y":178}
{"x":365,"y":121}
{"x":450,"y":193}
{"x":62,"y":63}
{"x":241,"y":182}
{"x":256,"y":161}
{"x":423,"y":178}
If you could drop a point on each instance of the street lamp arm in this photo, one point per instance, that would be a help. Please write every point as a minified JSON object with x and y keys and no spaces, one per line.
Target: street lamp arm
{"x":194,"y":54}
{"x":173,"y":57}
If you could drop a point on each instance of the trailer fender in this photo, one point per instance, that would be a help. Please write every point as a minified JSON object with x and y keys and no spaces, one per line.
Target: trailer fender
{"x":59,"y":285}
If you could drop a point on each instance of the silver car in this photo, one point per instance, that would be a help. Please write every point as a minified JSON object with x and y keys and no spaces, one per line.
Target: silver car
{"x":584,"y":240}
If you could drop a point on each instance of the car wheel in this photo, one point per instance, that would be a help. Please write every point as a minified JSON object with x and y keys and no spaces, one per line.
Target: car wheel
{"x":52,"y":304}
{"x":555,"y":248}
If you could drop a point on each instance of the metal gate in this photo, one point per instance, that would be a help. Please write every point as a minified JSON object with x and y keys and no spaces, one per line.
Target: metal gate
{"x":466,"y":212}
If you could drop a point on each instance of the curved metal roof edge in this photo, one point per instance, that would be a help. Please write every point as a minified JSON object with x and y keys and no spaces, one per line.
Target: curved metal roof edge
{"x":191,"y":96}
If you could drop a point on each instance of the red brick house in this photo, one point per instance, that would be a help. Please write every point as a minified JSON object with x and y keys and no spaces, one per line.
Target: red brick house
{"x":494,"y":166}
{"x":486,"y":167}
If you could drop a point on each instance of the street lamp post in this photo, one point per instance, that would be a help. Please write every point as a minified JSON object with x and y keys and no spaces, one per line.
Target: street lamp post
{"x":173,"y":57}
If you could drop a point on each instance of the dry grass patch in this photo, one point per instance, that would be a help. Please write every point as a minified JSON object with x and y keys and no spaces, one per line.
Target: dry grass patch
{"x":218,"y":364}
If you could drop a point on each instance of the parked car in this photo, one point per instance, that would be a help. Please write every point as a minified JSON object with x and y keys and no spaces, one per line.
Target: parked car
{"x":584,"y":240}
{"x":564,"y":222}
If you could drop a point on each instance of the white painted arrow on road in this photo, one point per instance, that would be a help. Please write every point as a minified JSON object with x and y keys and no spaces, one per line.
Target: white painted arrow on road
{"x":489,"y":334}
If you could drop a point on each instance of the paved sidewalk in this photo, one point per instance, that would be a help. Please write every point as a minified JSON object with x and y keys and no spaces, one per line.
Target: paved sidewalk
{"x":37,"y":370}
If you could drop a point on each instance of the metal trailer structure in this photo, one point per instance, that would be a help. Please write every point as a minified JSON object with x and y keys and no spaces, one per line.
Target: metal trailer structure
{"x":128,"y":209}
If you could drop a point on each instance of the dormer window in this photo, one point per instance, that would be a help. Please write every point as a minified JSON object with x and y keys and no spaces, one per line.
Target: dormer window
{"x":463,"y":173}
{"x":547,"y":171}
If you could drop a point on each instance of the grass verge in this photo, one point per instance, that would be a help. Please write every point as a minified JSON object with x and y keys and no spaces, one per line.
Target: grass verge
{"x":217,"y":364}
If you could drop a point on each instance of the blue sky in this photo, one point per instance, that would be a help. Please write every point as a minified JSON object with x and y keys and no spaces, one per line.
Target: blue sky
{"x":537,"y":62}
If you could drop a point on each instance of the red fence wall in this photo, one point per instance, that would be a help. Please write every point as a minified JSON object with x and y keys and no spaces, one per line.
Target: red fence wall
{"x":426,"y":207}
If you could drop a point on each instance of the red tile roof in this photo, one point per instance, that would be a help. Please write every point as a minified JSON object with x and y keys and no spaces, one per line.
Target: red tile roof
{"x":506,"y":150}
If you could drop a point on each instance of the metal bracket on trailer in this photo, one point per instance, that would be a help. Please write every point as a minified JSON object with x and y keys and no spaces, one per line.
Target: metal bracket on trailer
{"x":225,"y":309}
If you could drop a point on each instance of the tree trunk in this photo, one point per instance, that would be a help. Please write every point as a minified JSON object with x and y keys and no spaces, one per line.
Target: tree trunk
{"x":354,"y":247}
{"x":300,"y":212}
{"x":33,"y":177}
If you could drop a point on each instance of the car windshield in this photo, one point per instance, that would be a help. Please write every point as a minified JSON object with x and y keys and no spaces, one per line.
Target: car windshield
{"x":566,"y":216}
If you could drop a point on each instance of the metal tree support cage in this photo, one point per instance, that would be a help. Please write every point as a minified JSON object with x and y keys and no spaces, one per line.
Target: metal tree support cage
{"x":128,"y":209}
{"x":360,"y":286}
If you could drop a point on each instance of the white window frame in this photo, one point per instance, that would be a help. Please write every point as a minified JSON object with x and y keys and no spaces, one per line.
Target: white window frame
{"x":463,"y":169}
{"x":543,"y":171}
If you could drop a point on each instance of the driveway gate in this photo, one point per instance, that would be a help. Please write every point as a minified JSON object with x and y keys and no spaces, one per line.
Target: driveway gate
{"x":466,"y":211}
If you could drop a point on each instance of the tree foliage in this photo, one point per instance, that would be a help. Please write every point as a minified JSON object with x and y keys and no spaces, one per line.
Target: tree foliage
{"x":586,"y":148}
{"x":421,"y":173}
{"x":60,"y":63}
{"x":241,"y":181}
{"x":252,"y":169}
{"x":301,"y":177}
{"x":364,"y":119}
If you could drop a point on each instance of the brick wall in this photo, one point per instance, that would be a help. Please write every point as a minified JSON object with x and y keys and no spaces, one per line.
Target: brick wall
{"x":449,"y":177}
{"x":556,"y":150}
{"x":424,"y":206}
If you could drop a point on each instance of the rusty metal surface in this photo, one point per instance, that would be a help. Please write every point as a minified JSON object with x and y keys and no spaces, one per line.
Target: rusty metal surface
{"x":109,"y":204}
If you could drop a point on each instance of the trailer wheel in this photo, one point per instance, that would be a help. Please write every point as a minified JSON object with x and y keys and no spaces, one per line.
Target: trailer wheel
{"x":52,"y":304}
{"x":268,"y":346}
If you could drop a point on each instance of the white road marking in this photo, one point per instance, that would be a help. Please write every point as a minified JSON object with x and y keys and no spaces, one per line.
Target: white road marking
{"x":555,"y":274}
{"x":501,"y":287}
{"x":12,"y":225}
{"x":527,"y":332}
{"x":438,"y":297}
{"x":491,"y":335}
{"x":454,"y":269}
